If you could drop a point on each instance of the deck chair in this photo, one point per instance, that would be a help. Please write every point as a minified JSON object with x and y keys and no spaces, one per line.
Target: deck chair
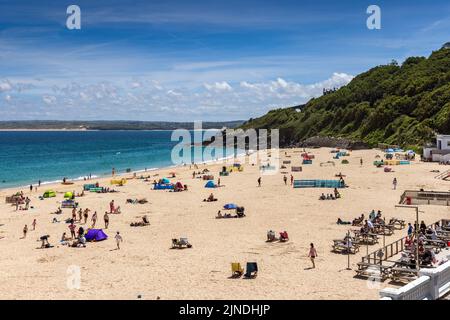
{"x":236,"y":270}
{"x":252,"y":270}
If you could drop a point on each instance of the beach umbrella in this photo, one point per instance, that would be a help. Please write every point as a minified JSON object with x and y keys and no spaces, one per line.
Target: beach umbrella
{"x":230,"y":206}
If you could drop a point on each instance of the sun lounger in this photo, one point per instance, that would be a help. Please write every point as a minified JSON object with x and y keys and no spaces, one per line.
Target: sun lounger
{"x":236,"y":270}
{"x":252,"y":270}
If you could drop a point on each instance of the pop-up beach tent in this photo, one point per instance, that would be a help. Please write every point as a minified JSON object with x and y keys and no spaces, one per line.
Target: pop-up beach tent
{"x":49,"y":194}
{"x":230,"y":206}
{"x":95,"y":235}
{"x":165,"y":180}
{"x":179,"y":185}
{"x":68,"y":195}
{"x":210,"y":184}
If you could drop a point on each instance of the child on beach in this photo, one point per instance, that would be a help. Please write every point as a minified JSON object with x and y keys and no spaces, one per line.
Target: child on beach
{"x":312,"y":255}
{"x":285,"y":180}
{"x":119,"y":239}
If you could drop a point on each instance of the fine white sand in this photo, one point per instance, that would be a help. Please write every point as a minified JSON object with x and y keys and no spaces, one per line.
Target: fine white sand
{"x":146,"y":266}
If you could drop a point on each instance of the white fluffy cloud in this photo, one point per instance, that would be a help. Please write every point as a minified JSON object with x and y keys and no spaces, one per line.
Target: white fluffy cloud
{"x":5,"y":85}
{"x":218,"y":86}
{"x":148,"y":99}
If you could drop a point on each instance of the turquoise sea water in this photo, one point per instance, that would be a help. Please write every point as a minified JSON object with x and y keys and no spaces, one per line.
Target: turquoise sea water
{"x":29,"y":156}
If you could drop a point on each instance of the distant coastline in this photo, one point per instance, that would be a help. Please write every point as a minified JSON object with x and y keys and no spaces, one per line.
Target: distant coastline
{"x":56,"y":125}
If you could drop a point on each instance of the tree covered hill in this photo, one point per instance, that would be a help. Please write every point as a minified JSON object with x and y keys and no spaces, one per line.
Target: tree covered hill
{"x":403,"y":105}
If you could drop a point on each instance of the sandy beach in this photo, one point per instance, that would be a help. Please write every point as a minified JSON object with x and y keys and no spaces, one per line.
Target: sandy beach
{"x":145,"y":265}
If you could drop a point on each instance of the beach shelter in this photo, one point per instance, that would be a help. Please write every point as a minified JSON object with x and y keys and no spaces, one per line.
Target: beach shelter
{"x":179,"y":185}
{"x":68,"y":195}
{"x":210,"y":184}
{"x":49,"y":194}
{"x":230,"y":206}
{"x":95,"y":235}
{"x":165,"y":180}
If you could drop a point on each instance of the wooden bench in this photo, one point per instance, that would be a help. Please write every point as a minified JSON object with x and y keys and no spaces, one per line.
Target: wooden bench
{"x":403,"y":273}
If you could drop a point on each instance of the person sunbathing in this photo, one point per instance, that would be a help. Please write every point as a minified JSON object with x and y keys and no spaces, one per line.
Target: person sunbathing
{"x":271,"y":236}
{"x":340,"y":221}
{"x":358,"y":221}
{"x":144,"y":222}
{"x":64,"y":239}
{"x":336,"y":193}
{"x":210,"y":198}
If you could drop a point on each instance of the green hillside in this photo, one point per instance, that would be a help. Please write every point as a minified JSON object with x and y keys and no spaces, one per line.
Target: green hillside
{"x":392,"y":104}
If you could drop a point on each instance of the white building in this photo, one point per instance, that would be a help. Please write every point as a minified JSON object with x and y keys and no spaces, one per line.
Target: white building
{"x":439,"y":152}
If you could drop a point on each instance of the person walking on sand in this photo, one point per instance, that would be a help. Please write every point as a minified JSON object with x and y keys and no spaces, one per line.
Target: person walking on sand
{"x":394,"y":183}
{"x":25,"y":230}
{"x":86,"y":215}
{"x":259,"y":182}
{"x":106,"y":219}
{"x":94,"y":219}
{"x":34,"y":224}
{"x":111,"y":206}
{"x":119,"y":239}
{"x":361,"y":162}
{"x":312,"y":255}
{"x":292,"y":179}
{"x":285,"y":180}
{"x":218,"y":182}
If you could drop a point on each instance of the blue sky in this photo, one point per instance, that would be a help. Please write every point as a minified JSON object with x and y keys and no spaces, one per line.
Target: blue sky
{"x":197,"y":60}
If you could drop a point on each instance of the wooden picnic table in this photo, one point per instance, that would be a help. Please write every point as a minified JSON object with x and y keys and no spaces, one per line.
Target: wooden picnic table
{"x":365,"y":238}
{"x":373,"y":270}
{"x":383,"y":229}
{"x":341,"y":246}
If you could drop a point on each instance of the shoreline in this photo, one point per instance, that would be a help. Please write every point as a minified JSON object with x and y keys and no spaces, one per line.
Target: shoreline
{"x":101,"y":176}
